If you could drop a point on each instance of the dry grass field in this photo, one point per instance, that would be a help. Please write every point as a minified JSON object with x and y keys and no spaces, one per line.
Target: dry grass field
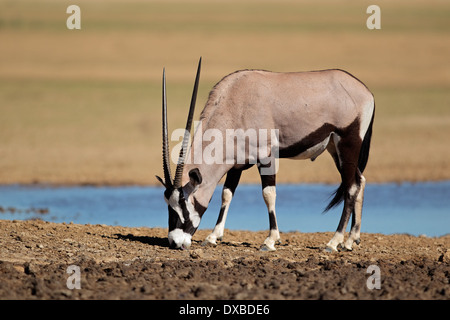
{"x":83,"y":106}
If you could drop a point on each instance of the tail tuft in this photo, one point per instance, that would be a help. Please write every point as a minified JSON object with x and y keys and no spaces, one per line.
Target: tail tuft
{"x":337,"y":199}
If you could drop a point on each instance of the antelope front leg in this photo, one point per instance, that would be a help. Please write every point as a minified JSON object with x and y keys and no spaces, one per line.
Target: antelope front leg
{"x":269,"y":195}
{"x":229,"y":187}
{"x":217,"y":233}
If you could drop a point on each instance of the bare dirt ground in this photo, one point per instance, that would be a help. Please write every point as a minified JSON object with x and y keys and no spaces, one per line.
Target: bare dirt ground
{"x":136,"y":263}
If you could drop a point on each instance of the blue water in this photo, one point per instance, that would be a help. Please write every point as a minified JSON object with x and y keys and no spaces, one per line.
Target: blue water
{"x":413,"y":208}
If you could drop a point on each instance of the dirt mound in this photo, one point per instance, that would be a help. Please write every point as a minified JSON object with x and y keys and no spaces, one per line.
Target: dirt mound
{"x":42,"y":260}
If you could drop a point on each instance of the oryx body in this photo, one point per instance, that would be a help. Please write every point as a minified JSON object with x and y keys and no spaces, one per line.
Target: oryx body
{"x":311,"y":112}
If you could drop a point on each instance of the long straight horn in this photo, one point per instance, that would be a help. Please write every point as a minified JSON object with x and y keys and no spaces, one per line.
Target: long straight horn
{"x":165,"y":147}
{"x":187,"y":132}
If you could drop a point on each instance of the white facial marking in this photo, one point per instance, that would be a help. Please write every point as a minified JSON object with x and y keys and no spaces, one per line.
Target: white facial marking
{"x":193,"y":215}
{"x":173,"y":203}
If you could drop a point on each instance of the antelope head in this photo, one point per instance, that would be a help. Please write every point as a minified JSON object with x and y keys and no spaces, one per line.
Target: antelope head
{"x":183,"y":217}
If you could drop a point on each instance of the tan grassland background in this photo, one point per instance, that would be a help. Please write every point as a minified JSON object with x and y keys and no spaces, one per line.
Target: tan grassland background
{"x":83,"y":106}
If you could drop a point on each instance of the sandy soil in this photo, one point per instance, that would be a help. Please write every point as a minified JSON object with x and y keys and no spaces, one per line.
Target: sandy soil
{"x":136,"y":263}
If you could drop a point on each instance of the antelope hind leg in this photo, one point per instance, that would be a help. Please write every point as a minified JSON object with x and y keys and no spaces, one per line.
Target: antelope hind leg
{"x":356,"y":221}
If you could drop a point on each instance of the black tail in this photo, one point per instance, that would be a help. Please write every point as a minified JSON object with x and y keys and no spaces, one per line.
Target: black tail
{"x":362,"y":162}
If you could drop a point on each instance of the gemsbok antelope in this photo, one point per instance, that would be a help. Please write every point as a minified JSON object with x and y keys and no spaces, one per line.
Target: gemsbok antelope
{"x":311,"y":112}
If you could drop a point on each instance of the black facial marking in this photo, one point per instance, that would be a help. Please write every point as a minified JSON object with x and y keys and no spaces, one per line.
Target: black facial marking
{"x":174,"y":218}
{"x":182,"y":204}
{"x":168,"y":193}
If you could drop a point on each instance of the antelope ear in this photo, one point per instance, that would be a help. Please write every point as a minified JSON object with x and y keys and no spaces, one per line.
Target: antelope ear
{"x":195,"y":177}
{"x":161,"y":180}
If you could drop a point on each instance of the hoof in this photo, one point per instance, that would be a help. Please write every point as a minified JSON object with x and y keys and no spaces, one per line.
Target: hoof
{"x":330,"y":250}
{"x":208,"y":243}
{"x":265,"y":247}
{"x":348,"y":246}
{"x":358,"y":241}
